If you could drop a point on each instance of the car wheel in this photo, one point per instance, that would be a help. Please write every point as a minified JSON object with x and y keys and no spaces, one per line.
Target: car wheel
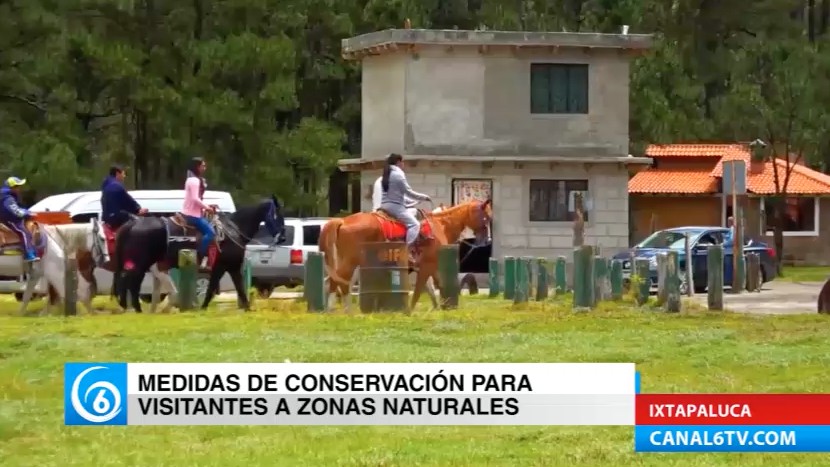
{"x":469,"y":281}
{"x":265,"y":291}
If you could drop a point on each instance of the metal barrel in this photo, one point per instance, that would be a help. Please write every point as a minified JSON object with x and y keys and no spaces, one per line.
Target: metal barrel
{"x":384,"y":277}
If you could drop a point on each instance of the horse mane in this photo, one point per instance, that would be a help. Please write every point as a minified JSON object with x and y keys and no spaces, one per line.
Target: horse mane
{"x":70,"y":237}
{"x":448,"y":211}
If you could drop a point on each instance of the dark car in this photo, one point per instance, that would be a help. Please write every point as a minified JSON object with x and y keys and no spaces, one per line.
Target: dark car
{"x":700,"y":238}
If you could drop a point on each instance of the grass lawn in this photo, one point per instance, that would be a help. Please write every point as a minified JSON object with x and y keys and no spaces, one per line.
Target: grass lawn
{"x":805,"y":274}
{"x":690,"y":352}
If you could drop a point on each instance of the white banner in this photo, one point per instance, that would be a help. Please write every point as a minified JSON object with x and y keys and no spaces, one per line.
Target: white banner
{"x":350,"y":393}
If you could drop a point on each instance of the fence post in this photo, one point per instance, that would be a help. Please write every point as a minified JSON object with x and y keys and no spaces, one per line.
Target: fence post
{"x":520,"y":294}
{"x":600,"y":276}
{"x":690,"y":283}
{"x":672,"y":282}
{"x":714,"y":271}
{"x":641,"y":266}
{"x":583,"y":277}
{"x":70,"y":285}
{"x":753,"y":272}
{"x":493,"y":278}
{"x":509,"y":277}
{"x":542,"y":279}
{"x":616,"y":279}
{"x":187,"y":280}
{"x":560,"y":274}
{"x":448,"y":268}
{"x":662,"y":266}
{"x":313,"y":287}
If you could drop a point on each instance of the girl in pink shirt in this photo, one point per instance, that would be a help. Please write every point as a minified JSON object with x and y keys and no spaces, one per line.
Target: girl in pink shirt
{"x":194,"y":190}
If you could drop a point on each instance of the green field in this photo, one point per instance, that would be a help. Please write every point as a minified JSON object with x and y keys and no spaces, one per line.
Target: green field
{"x":805,"y":274}
{"x":692,"y":351}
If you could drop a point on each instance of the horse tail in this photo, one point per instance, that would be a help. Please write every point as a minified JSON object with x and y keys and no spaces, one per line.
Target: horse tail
{"x":328,"y":246}
{"x":118,"y":256}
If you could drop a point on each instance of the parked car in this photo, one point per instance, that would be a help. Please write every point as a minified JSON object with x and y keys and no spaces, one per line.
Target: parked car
{"x":86,"y":205}
{"x":283,"y":265}
{"x":700,"y":238}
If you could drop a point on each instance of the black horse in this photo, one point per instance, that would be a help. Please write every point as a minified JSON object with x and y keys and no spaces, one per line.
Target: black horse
{"x":145,"y":241}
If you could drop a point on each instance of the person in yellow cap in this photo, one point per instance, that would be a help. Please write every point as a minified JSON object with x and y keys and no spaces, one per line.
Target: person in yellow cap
{"x":12,"y":215}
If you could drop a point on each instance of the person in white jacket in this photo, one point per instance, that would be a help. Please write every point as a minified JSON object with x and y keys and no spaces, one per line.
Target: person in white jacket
{"x":377,"y":197}
{"x":396,"y":195}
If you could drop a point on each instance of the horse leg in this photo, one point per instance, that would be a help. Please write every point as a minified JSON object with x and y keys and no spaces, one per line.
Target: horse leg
{"x":133,"y":283}
{"x":239,"y":284}
{"x":166,"y":285}
{"x":420,"y":282}
{"x":31,"y":283}
{"x":84,"y":293}
{"x":430,"y":288}
{"x":213,"y":284}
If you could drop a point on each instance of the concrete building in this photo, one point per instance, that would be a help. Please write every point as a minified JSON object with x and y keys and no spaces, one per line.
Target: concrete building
{"x":528,"y":118}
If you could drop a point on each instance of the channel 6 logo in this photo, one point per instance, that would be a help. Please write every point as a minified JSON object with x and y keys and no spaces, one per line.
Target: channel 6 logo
{"x":95,"y":393}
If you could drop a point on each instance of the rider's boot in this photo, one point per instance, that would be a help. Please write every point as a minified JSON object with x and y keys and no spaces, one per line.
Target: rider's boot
{"x":30,"y":256}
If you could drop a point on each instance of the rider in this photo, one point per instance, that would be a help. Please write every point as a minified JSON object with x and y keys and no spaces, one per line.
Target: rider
{"x":395,"y":192}
{"x":194,"y":190}
{"x":377,"y":197}
{"x":116,"y":202}
{"x":12,"y":215}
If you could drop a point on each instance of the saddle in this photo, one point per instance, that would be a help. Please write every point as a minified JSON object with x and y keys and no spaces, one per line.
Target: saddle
{"x":12,"y":244}
{"x":186,"y":236}
{"x":394,"y":230}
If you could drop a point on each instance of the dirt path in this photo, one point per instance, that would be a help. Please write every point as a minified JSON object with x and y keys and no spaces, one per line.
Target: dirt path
{"x":776,"y":298}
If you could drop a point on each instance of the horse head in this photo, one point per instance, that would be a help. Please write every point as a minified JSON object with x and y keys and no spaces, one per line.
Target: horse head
{"x":478,"y":220}
{"x":274,"y":220}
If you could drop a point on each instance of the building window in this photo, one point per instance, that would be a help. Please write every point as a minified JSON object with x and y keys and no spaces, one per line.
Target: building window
{"x":553,"y":200}
{"x":800,"y":216}
{"x":557,"y":88}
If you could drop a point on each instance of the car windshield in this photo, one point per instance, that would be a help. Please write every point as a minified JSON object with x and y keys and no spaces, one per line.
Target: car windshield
{"x":665,"y":239}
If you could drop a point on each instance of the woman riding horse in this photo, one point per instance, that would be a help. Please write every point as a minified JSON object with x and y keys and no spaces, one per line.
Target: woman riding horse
{"x":396,"y":189}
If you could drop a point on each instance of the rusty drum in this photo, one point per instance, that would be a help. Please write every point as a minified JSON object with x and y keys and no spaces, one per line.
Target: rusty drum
{"x":384,"y":277}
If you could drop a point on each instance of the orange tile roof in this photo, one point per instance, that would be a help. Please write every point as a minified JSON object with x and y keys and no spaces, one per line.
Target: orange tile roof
{"x":803,"y":180}
{"x":760,"y":180}
{"x":690,"y":150}
{"x":673,"y":181}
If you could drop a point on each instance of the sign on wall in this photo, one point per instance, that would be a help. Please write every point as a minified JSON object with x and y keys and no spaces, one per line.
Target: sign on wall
{"x":464,"y":190}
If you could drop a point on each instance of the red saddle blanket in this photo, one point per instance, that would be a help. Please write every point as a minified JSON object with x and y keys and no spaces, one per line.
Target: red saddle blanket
{"x":109,"y":237}
{"x":395,"y":230}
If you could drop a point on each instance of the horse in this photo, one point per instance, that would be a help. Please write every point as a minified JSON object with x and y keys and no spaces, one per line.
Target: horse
{"x":153,"y":243}
{"x":340,"y":237}
{"x":327,"y":229}
{"x":61,"y":241}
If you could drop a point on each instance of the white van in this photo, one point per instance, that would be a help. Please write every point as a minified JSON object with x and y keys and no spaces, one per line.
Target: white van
{"x":86,"y":205}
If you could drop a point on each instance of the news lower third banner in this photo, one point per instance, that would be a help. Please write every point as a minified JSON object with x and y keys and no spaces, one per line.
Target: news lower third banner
{"x":732,"y":423}
{"x":349,"y":393}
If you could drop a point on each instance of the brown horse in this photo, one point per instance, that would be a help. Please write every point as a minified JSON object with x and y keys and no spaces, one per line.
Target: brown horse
{"x":340,"y":238}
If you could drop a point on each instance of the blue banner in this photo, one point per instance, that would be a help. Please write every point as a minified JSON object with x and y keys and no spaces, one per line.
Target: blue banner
{"x":732,"y":438}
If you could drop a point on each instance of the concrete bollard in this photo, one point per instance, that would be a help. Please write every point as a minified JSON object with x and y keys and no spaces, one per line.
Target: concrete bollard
{"x":542,"y":279}
{"x":70,"y":286}
{"x":672,"y":304}
{"x":714,"y":282}
{"x":616,"y":279}
{"x":522,"y":275}
{"x":313,"y":285}
{"x":448,"y":269}
{"x":641,"y":266}
{"x":493,"y":278}
{"x":188,"y":271}
{"x":662,"y":267}
{"x":583,"y":277}
{"x":753,"y":272}
{"x":560,"y":274}
{"x":509,"y":277}
{"x":600,"y":276}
